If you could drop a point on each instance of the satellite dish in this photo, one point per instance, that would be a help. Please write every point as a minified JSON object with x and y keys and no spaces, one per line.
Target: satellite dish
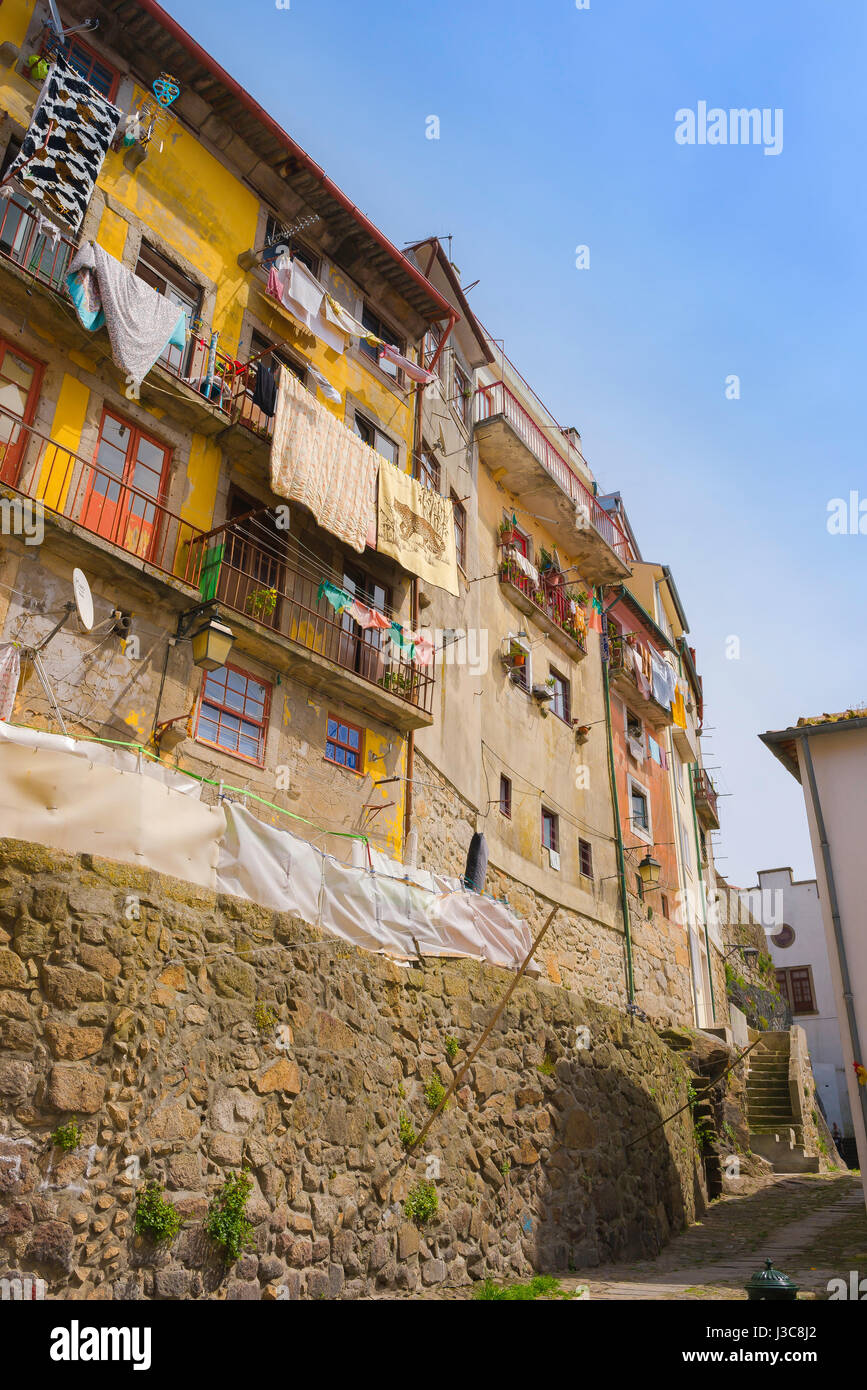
{"x":83,"y":599}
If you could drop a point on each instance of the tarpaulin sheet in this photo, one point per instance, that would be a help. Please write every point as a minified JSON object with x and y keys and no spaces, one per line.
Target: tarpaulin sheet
{"x":377,"y":911}
{"x":64,"y":798}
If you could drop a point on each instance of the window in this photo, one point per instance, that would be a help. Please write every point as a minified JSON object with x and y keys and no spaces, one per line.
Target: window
{"x":684,"y":845}
{"x":561,"y":705}
{"x":462,"y":394}
{"x":376,"y":439}
{"x":426,"y":468}
{"x":460,"y":531}
{"x":92,"y":68}
{"x":20,"y":237}
{"x":344,"y":743}
{"x":639,"y":810}
{"x":276,"y":235}
{"x":702,"y":839}
{"x":664,"y":903}
{"x":796,"y":985}
{"x":550,"y":831}
{"x":375,"y":325}
{"x":155,"y":270}
{"x":520,"y":671}
{"x":585,"y":858}
{"x":506,"y":797}
{"x":233,"y":713}
{"x":20,"y":380}
{"x":432,"y":340}
{"x":634,"y":728}
{"x":365,"y":650}
{"x":125,"y":486}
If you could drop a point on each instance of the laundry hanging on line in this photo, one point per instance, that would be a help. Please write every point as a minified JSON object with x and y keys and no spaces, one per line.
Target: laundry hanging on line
{"x":265,"y":389}
{"x":298,"y":290}
{"x":330,"y":392}
{"x":141,"y":322}
{"x":318,"y":461}
{"x":412,"y":369}
{"x":66,"y":143}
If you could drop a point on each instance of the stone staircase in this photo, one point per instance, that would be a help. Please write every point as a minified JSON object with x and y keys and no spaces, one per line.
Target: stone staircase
{"x":776,"y":1132}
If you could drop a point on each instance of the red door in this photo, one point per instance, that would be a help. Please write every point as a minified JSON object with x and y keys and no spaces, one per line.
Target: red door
{"x":20,"y":381}
{"x":125,"y":486}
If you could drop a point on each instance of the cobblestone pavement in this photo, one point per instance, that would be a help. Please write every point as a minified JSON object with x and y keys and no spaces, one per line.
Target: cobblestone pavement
{"x":813,"y":1227}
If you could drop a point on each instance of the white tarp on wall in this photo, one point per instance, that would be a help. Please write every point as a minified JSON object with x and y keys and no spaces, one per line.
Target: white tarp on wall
{"x":84,"y":797}
{"x":71,"y":799}
{"x":371,"y":909}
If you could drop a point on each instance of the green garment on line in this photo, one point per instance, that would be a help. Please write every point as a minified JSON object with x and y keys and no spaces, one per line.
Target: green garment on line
{"x":337,"y":597}
{"x":399,"y":640}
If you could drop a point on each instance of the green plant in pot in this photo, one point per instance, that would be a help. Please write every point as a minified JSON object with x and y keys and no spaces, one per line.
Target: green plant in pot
{"x":262,"y":602}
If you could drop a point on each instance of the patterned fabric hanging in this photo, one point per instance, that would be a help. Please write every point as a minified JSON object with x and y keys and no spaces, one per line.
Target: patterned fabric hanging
{"x":63,"y":151}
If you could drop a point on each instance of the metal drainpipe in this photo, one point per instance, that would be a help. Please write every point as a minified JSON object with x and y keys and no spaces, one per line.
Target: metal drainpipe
{"x":618,"y":832}
{"x":835,"y":918}
{"x":410,"y":738}
{"x":701,"y":881}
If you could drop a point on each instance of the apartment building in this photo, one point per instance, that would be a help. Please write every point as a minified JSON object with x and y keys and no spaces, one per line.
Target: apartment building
{"x":498,"y":661}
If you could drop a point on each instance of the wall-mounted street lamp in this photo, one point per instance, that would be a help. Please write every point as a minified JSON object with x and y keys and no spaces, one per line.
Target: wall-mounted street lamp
{"x":212,"y":641}
{"x":649,"y":870}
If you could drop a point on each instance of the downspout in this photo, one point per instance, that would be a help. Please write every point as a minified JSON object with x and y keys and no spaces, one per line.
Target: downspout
{"x":701,"y":881}
{"x":618,"y":831}
{"x":835,"y":918}
{"x":410,"y":738}
{"x":292,"y":149}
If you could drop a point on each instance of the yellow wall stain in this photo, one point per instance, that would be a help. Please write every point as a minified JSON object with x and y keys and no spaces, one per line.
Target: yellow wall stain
{"x":57,"y":471}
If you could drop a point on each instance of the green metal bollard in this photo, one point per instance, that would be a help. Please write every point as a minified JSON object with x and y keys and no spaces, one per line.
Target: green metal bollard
{"x":771,"y":1284}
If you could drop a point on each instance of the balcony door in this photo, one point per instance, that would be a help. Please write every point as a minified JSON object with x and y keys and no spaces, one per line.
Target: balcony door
{"x":20,"y":381}
{"x":125,"y":487}
{"x":253,"y":573}
{"x":364,"y":650}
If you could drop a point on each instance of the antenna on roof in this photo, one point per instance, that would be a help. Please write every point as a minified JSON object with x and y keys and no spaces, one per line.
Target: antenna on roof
{"x":56,"y":24}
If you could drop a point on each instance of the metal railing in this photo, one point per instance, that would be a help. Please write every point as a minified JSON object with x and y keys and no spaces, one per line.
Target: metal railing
{"x":704,"y":789}
{"x":43,"y":257}
{"x":260,"y":583}
{"x":497,"y":399}
{"x":66,"y":483}
{"x":550,"y":600}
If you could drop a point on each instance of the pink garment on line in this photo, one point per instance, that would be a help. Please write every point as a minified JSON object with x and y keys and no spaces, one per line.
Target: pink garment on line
{"x":368,"y":617}
{"x":412,"y":369}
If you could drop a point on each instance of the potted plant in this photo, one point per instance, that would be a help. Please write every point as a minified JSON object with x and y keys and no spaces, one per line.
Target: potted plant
{"x":582,"y":732}
{"x":262,"y":602}
{"x":506,"y":532}
{"x":544,"y":692}
{"x":578,"y":595}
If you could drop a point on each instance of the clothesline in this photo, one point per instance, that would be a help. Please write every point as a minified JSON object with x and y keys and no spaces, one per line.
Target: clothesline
{"x":415,"y":646}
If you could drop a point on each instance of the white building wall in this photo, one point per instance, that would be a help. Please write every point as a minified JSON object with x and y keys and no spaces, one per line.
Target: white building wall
{"x":802,"y":911}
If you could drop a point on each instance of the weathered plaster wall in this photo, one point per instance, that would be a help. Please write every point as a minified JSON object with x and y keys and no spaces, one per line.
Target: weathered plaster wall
{"x":141,"y":1023}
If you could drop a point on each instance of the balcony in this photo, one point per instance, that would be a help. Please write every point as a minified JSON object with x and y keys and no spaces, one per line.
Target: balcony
{"x":705,"y":795}
{"x":279,"y":618}
{"x":623,"y":678}
{"x":520,"y":455}
{"x":546,"y":605}
{"x":215,"y":389}
{"x":120,"y":517}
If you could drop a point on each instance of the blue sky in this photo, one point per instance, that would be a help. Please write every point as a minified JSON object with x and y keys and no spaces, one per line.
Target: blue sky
{"x":557,"y":130}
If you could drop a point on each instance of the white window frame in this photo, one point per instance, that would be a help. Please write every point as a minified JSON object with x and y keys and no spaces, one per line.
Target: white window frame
{"x":645,"y":835}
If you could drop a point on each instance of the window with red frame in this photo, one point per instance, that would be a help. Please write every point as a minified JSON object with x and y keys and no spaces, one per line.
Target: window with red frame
{"x":125,"y":487}
{"x":585,"y":858}
{"x":550,"y":830}
{"x":233,"y":713}
{"x":344,"y":743}
{"x":460,"y":531}
{"x":796,"y":985}
{"x":95,"y":70}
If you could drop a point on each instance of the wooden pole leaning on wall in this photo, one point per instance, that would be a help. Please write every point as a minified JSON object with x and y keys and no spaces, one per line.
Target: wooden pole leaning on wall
{"x":488,"y":1029}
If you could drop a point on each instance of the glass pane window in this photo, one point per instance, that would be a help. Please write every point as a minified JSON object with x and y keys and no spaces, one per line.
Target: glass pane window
{"x":561,"y":702}
{"x":550,"y":830}
{"x":343,"y":743}
{"x":640,"y":817}
{"x":173,"y":285}
{"x":233,"y":713}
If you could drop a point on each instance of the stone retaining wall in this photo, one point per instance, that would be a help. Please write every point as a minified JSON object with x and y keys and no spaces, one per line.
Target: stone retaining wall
{"x":129,"y":1000}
